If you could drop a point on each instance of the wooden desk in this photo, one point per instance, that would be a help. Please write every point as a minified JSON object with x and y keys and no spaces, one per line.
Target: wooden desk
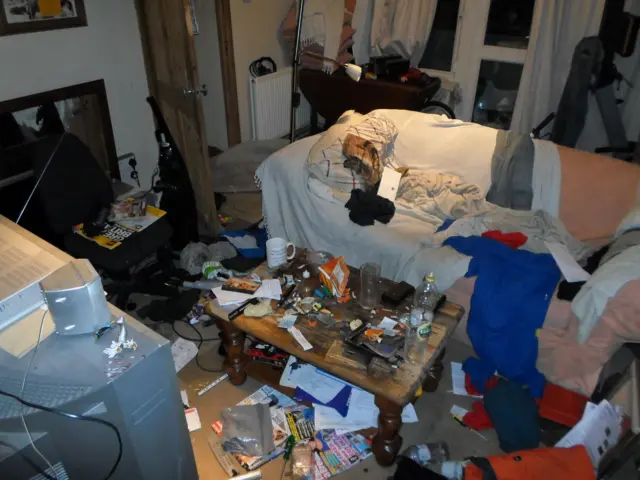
{"x":391,"y":393}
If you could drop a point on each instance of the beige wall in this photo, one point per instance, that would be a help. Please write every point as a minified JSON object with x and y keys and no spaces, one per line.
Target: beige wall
{"x":110,"y":49}
{"x":209,"y":70}
{"x":255,"y":34}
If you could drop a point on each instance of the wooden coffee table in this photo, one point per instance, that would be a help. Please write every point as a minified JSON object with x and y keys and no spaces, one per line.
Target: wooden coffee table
{"x":392,"y":392}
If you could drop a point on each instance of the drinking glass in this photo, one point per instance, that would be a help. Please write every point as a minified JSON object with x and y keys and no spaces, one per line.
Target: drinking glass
{"x":369,"y":285}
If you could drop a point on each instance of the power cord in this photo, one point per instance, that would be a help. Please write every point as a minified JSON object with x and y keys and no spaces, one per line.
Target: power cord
{"x":31,"y":463}
{"x":200,"y":340}
{"x":74,"y":416}
{"x":56,"y":411}
{"x":24,"y":382}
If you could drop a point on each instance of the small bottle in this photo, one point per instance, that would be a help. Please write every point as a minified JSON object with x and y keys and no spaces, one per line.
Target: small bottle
{"x":426,"y":453}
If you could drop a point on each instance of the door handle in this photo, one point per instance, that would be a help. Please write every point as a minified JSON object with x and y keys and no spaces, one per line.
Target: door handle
{"x":203,"y":90}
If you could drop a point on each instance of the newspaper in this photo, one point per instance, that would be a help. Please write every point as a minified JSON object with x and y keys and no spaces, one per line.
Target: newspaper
{"x":114,"y":233}
{"x":276,"y":401}
{"x":339,"y":453}
{"x":599,"y":430}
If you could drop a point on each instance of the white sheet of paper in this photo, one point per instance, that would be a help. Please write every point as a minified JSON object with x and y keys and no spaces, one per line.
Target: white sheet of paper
{"x":183,"y":351}
{"x":193,"y":419}
{"x":389,"y":184}
{"x":304,"y":343}
{"x":363,"y":413}
{"x":457,"y":380}
{"x":598,"y":430}
{"x":459,"y":412}
{"x":269,"y":289}
{"x":566,"y":263}
{"x":291,"y":376}
{"x":184,"y":397}
{"x":288,"y":321}
{"x":320,"y":386}
{"x":387,"y":324}
{"x":225,"y":297}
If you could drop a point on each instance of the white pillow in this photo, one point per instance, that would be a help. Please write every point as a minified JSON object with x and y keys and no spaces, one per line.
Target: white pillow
{"x":435,"y":142}
{"x":326,"y":160}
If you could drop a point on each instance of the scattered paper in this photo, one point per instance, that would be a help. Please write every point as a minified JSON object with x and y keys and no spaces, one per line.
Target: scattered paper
{"x":457,"y":380}
{"x":193,"y":419}
{"x":363,"y":413}
{"x":297,"y":334}
{"x":321,"y":387}
{"x":294,"y":371}
{"x":599,"y":430}
{"x":226,"y":297}
{"x":458,"y":412}
{"x":269,"y":289}
{"x":388,"y":326}
{"x":183,"y":351}
{"x":185,"y":398}
{"x":570,"y":269}
{"x":288,"y":321}
{"x":389,"y":184}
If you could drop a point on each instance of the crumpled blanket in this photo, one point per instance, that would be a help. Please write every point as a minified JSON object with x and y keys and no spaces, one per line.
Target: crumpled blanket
{"x":433,"y":197}
{"x":538,"y":226}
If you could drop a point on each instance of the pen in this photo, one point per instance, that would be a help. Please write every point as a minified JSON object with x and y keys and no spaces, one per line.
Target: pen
{"x":238,"y":311}
{"x":285,"y":296}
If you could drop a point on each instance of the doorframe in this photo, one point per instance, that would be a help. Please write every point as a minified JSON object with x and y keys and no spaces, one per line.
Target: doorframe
{"x":227,"y":65}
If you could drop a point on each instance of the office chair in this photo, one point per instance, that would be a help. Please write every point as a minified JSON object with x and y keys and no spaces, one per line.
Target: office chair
{"x":73,"y":190}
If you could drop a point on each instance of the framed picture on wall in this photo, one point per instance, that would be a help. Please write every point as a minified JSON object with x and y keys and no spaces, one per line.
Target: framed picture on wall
{"x":26,"y":16}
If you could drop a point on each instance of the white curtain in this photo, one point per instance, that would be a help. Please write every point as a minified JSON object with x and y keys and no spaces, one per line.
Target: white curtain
{"x":557,"y":27}
{"x":402,"y":27}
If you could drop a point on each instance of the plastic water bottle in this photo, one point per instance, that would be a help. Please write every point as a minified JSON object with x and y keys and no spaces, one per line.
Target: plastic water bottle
{"x":427,"y":453}
{"x":424,"y":302}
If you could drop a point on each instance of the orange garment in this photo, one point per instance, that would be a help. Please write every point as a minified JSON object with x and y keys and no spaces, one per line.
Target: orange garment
{"x":541,"y":463}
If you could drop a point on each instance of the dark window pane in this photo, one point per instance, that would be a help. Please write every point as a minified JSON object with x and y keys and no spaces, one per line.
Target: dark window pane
{"x":509,"y":23}
{"x":438,"y":54}
{"x":496,"y":93}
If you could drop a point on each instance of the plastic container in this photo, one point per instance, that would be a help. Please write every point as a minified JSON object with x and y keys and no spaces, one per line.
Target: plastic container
{"x":427,"y":453}
{"x":424,"y":302}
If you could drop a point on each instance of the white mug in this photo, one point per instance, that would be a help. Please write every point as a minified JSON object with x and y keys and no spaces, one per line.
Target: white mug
{"x":277,"y":252}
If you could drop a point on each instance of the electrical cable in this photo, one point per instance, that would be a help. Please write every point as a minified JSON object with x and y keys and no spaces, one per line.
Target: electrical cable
{"x":24,"y":382}
{"x":31,"y":463}
{"x":74,"y":416}
{"x":200,"y":341}
{"x":57,"y":412}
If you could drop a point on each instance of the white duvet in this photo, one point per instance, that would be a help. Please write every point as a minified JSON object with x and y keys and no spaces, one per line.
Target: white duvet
{"x":304,"y":211}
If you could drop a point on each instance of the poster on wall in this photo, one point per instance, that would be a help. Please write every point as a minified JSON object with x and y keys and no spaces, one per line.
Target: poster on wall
{"x":26,"y":16}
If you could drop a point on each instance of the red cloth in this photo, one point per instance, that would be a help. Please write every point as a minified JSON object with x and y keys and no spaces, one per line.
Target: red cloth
{"x":513,"y":240}
{"x":478,"y":418}
{"x":472,"y":390}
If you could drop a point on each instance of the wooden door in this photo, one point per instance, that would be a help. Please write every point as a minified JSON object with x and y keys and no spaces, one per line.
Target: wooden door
{"x":170,"y":56}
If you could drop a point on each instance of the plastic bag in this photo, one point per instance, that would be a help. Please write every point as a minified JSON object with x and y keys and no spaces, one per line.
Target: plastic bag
{"x":247,"y":430}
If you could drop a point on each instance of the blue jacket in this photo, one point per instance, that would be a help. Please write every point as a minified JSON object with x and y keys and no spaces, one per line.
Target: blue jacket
{"x":508,"y":306}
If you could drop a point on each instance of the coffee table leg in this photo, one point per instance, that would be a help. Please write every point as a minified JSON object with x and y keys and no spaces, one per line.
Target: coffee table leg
{"x":236,"y":359}
{"x":434,"y":375}
{"x":386,"y":444}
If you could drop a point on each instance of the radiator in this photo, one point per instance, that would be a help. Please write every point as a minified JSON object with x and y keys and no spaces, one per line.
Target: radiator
{"x":271,"y":106}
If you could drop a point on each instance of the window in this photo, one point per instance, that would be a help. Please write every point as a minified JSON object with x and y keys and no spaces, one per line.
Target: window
{"x":509,"y":23}
{"x":438,"y":54}
{"x":496,"y":93}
